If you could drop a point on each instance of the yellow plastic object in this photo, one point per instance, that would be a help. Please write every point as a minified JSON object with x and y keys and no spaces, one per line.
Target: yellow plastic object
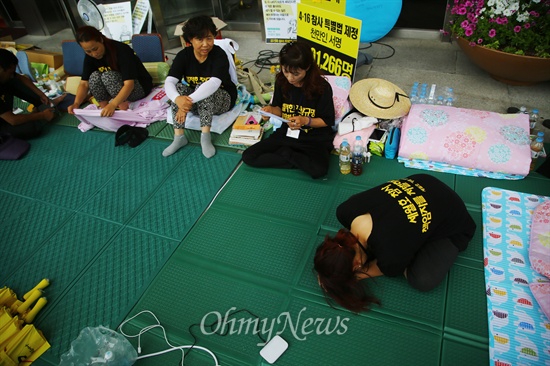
{"x":27,"y":345}
{"x":30,"y":300}
{"x":29,"y":317}
{"x":40,"y":286}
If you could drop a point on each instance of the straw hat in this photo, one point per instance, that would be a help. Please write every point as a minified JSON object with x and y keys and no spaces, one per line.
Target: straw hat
{"x":379,"y":98}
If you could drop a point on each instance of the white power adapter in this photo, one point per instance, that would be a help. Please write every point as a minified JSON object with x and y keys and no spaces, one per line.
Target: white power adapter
{"x":274,"y":349}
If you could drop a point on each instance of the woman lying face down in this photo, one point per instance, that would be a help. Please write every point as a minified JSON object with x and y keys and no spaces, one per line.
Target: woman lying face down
{"x":412,"y":227}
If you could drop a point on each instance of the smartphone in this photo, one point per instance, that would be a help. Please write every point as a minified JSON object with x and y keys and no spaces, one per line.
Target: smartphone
{"x":378,"y":134}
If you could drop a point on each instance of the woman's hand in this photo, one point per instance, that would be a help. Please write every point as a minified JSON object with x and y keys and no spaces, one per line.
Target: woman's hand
{"x":184,"y":103}
{"x":268,"y":109}
{"x":296,"y":122}
{"x":108,"y":110}
{"x":72,"y":107}
{"x":180,"y":116}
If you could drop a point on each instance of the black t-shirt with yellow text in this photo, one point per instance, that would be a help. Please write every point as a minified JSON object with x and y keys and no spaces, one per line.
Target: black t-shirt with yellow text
{"x":186,"y":67}
{"x":407,"y":213}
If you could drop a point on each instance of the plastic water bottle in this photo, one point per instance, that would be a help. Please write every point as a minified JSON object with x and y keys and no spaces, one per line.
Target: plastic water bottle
{"x":533,"y":118}
{"x":536,"y":147}
{"x":345,"y":155}
{"x":357,"y":158}
{"x":440,"y":100}
{"x":449,"y":96}
{"x":522,"y":109}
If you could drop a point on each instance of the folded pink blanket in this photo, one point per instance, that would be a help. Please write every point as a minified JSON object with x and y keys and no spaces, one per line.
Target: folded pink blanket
{"x":467,"y":138}
{"x":141,"y":113}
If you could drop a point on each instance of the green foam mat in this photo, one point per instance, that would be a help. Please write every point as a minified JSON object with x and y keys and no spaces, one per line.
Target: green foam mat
{"x":455,"y":352}
{"x":119,"y":230}
{"x":175,"y":205}
{"x":466,"y":313}
{"x":66,"y":119}
{"x":363,"y":339}
{"x":113,"y":203}
{"x":102,"y":293}
{"x":266,"y":237}
{"x":195,"y":290}
{"x":26,"y":225}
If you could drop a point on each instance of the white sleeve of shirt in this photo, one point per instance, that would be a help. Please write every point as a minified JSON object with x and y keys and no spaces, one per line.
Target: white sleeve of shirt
{"x":170,"y":88}
{"x":205,"y":90}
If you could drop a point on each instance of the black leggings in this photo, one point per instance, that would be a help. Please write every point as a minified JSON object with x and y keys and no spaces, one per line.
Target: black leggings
{"x":279,"y":151}
{"x":431,"y":264}
{"x":29,"y":129}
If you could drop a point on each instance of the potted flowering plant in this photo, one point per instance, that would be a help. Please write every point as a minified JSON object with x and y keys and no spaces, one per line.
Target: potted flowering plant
{"x":510,"y":39}
{"x":520,"y":27}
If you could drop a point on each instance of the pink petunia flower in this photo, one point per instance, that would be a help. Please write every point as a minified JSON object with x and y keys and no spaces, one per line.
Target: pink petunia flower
{"x":464,"y":24}
{"x":517,"y":28}
{"x":492,"y":33}
{"x":468,"y":32}
{"x":480,"y":41}
{"x":527,"y":25}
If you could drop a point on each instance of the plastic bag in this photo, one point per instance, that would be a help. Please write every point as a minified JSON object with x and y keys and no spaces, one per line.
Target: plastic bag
{"x":99,"y":346}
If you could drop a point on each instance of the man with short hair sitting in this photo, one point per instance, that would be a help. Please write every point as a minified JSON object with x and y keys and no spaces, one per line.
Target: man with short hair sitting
{"x":23,"y":126}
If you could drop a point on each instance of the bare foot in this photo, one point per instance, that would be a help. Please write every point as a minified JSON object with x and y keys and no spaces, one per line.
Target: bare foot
{"x":59,"y":99}
{"x":124,"y":106}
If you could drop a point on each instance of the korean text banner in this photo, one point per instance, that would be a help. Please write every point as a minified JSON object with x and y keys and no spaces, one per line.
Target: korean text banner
{"x":335,"y":38}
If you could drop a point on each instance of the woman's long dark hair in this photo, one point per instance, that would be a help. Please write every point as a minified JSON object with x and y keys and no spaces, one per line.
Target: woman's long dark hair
{"x":333,"y":263}
{"x":88,"y":33}
{"x":298,"y":55}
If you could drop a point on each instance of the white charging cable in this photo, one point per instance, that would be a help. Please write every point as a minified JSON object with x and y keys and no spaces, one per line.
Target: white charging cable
{"x":158,"y":325}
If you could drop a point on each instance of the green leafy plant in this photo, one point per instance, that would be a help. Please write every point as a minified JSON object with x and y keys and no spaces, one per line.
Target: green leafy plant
{"x":520,"y":27}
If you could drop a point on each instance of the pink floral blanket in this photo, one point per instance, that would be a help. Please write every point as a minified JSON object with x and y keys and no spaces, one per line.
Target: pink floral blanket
{"x":466,"y":141}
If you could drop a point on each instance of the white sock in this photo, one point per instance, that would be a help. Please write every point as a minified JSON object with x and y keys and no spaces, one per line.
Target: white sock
{"x":208,"y":149}
{"x":178,"y":143}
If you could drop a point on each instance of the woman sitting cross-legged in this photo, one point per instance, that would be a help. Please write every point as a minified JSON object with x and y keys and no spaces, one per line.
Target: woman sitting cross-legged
{"x":413,"y":227}
{"x":199,"y":82}
{"x":112,"y":73}
{"x":304,"y":98}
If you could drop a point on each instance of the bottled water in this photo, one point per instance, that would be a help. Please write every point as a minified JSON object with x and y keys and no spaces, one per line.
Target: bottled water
{"x":345,"y":154}
{"x":440,"y":100}
{"x":536,"y":147}
{"x":357,"y":158}
{"x":449,"y":96}
{"x":522,"y":109}
{"x":533,"y":118}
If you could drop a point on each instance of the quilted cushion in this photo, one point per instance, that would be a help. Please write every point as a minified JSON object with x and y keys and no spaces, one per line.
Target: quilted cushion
{"x":340,"y":92}
{"x":539,"y":245}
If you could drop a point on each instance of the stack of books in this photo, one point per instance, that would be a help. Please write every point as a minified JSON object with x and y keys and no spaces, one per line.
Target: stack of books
{"x":246,"y":131}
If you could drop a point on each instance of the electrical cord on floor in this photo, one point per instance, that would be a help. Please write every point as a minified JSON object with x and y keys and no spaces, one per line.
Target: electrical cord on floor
{"x":382,"y":44}
{"x":172,"y":347}
{"x":265,"y":60}
{"x":224,"y":333}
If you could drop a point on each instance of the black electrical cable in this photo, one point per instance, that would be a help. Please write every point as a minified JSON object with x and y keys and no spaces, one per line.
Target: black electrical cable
{"x":210,"y":326}
{"x":264,"y":60}
{"x":382,"y":44}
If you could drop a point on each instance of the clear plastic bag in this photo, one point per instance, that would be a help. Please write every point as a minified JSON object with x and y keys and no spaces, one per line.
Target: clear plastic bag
{"x":99,"y":346}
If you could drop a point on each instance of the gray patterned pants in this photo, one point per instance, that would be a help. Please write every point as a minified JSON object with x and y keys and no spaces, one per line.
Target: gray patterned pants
{"x":104,"y":86}
{"x":215,"y":104}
